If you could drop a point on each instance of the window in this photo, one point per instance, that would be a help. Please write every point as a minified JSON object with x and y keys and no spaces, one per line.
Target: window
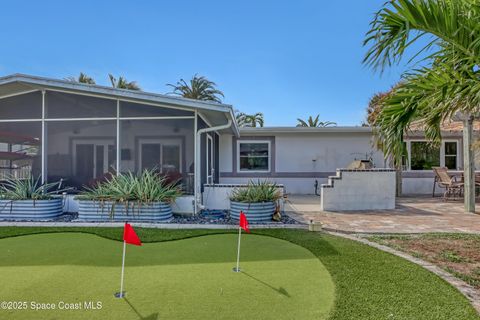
{"x":451,"y":155}
{"x":424,"y":156}
{"x":254,"y":156}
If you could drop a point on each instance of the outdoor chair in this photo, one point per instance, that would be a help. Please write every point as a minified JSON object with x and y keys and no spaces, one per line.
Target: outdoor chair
{"x":453,"y":188}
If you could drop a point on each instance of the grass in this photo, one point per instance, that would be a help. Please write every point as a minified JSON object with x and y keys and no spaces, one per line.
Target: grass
{"x":369,"y":284}
{"x":458,"y":254}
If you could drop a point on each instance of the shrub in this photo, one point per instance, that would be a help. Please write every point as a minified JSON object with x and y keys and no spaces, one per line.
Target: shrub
{"x":29,"y":189}
{"x":128,"y":187}
{"x":259,"y":191}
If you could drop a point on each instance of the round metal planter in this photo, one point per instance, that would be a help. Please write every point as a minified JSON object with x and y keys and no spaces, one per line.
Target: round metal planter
{"x":255,"y":212}
{"x":109,"y":211}
{"x":31,"y":210}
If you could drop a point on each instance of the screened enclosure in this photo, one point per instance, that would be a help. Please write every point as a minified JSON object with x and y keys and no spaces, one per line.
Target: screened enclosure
{"x":82,"y":139}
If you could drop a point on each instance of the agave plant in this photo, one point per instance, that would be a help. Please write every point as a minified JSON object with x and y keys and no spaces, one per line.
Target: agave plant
{"x":29,"y":189}
{"x":256,"y":191}
{"x":128,"y":187}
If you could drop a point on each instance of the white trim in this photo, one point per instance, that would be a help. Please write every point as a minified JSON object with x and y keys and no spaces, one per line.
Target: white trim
{"x":18,"y":93}
{"x":254,"y":142}
{"x":195,"y":157}
{"x":43,"y":149}
{"x":98,"y":119}
{"x":157,"y":118}
{"x":209,"y":157}
{"x":20,"y":120}
{"x":119,"y":149}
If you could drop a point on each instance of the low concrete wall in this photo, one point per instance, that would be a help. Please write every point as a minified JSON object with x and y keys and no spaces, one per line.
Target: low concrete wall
{"x":353,"y":190}
{"x":217,"y":196}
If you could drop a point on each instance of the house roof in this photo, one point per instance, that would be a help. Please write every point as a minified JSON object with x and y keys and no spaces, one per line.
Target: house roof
{"x":447,"y":127}
{"x":216,"y":113}
{"x":300,"y":130}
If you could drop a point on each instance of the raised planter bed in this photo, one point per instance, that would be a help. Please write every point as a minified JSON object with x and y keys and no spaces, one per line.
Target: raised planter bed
{"x":89,"y":210}
{"x":255,"y":212}
{"x":31,"y":210}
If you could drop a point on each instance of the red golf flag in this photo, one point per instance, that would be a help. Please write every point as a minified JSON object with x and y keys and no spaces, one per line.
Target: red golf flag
{"x":129,"y":235}
{"x":244,"y":222}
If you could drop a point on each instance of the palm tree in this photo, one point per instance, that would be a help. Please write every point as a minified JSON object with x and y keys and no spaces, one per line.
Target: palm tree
{"x":122,"y":83}
{"x":82,"y":78}
{"x":445,"y":87}
{"x":314,"y":123}
{"x":240,"y":117}
{"x":252,"y":120}
{"x":199,"y":88}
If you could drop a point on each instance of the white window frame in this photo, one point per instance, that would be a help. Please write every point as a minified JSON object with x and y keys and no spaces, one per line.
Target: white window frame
{"x":442,"y":153}
{"x":268,"y":142}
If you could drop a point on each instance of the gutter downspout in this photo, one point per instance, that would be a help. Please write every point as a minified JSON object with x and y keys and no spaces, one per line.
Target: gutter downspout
{"x":197,"y":176}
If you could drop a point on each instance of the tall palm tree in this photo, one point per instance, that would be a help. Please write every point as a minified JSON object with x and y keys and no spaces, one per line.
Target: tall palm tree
{"x":314,"y":122}
{"x":82,"y":78}
{"x":199,"y":88}
{"x":446,"y":86}
{"x":123,"y":83}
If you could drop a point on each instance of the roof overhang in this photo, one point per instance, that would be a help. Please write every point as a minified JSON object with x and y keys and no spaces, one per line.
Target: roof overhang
{"x":217,"y":114}
{"x":304,"y":130}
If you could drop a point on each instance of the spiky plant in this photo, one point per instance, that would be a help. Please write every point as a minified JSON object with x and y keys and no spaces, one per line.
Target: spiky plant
{"x":127,"y":187}
{"x":256,"y":191}
{"x":29,"y":189}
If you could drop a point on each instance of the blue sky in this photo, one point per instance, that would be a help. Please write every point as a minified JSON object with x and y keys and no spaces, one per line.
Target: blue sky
{"x":287,"y":59}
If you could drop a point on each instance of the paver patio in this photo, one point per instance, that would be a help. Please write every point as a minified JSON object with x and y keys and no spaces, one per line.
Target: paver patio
{"x":411,"y":215}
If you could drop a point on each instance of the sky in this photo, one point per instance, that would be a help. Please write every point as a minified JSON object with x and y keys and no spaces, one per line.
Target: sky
{"x":287,"y":59}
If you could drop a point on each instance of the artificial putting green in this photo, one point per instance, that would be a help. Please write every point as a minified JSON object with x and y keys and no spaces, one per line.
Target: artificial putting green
{"x":183,"y":279}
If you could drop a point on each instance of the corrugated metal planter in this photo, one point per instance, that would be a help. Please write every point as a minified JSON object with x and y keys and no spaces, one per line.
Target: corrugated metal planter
{"x":31,"y":210}
{"x":255,"y":212}
{"x":102,"y":211}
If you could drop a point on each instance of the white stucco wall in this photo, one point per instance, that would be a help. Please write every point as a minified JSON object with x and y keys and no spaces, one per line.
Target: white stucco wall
{"x":300,"y":158}
{"x":359,"y":190}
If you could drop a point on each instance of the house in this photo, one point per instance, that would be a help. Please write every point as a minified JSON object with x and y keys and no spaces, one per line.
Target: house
{"x":80,"y":133}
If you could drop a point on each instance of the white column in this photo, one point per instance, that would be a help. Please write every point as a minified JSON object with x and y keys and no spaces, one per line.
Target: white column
{"x":43,"y":149}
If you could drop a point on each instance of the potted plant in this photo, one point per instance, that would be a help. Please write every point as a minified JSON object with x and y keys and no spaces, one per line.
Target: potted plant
{"x":29,"y":199}
{"x":129,"y":197}
{"x":258,"y":200}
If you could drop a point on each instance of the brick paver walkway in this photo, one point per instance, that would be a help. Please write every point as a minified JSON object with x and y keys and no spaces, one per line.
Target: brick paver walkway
{"x":412,"y":215}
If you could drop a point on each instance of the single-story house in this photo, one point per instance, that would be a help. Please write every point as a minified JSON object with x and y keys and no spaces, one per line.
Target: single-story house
{"x":79,"y":133}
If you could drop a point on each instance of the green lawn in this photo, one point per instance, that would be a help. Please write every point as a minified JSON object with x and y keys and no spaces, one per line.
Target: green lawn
{"x":308,"y":276}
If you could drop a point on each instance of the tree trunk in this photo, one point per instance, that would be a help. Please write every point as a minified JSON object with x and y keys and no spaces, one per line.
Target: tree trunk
{"x":398,"y":177}
{"x":468,"y":165}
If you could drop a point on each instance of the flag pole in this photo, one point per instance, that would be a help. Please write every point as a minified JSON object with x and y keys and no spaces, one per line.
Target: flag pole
{"x":123,"y":269}
{"x":237,"y":269}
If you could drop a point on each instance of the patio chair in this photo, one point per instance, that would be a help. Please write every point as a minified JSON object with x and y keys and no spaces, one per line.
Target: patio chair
{"x":453,"y":188}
